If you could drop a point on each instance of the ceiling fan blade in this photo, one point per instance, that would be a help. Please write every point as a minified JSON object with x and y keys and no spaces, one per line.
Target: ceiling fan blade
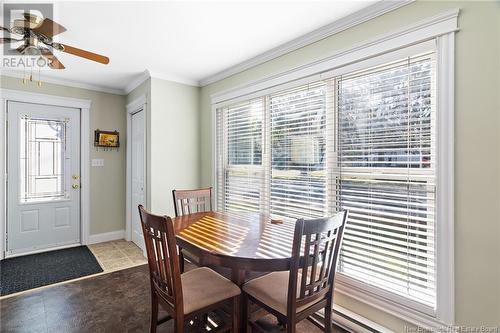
{"x":54,"y":63}
{"x":85,"y":54}
{"x":49,"y":28}
{"x":4,"y":29}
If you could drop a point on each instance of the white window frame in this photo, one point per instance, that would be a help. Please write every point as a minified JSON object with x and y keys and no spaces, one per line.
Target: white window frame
{"x":439,"y":30}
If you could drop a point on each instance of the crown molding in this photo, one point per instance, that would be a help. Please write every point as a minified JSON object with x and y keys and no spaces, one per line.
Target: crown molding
{"x":148,"y":74}
{"x":418,"y":32}
{"x":174,"y":78}
{"x":356,"y":18}
{"x":136,"y":82}
{"x":63,"y":82}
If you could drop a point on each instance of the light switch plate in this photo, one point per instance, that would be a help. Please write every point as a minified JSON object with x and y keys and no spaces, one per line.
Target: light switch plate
{"x":98,"y":162}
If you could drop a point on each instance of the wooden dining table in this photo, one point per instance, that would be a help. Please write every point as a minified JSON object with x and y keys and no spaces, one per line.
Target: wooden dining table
{"x":243,"y":242}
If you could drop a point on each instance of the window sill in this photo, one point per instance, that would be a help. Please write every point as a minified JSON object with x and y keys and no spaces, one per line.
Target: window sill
{"x":423,"y":317}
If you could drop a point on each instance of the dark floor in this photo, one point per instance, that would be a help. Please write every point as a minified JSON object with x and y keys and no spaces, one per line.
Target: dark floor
{"x":114,"y":302}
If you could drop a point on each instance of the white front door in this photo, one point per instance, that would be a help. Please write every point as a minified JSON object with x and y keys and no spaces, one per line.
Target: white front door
{"x":137,"y":141}
{"x":43,"y":175}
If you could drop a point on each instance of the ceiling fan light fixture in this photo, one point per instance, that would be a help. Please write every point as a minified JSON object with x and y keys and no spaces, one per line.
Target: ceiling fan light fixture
{"x":41,"y":62}
{"x":31,"y":51}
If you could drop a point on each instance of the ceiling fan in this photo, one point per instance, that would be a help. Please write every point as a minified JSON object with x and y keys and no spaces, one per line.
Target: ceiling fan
{"x":36,"y":37}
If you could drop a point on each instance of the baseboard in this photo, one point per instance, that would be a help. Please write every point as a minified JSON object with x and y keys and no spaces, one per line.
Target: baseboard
{"x":106,"y":236}
{"x":349,"y":321}
{"x":355,"y":323}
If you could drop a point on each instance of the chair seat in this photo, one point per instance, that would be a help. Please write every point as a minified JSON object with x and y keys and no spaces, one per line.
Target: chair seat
{"x":202,"y":287}
{"x":272,"y":290}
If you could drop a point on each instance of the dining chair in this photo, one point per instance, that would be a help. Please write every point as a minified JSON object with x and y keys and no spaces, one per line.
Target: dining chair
{"x":307,"y":287}
{"x":187,"y":297}
{"x":189,"y":202}
{"x":192,"y":201}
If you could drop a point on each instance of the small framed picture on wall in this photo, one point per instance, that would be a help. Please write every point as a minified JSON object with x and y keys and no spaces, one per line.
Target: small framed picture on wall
{"x":108,"y":139}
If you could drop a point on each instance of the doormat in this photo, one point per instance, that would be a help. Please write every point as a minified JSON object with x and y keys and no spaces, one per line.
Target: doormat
{"x":42,"y":269}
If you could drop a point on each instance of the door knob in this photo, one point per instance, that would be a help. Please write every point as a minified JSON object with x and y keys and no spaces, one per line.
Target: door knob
{"x":75,"y":186}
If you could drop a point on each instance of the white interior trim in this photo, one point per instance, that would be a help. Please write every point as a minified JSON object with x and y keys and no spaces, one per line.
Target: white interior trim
{"x":106,"y":236}
{"x":417,"y":33}
{"x":84,"y":106}
{"x":440,"y":30}
{"x":43,"y":250}
{"x":139,"y":104}
{"x":175,"y":78}
{"x":137,"y":82}
{"x":351,"y":324}
{"x":109,"y":90}
{"x":445,"y":178}
{"x":349,"y":21}
{"x":68,"y":83}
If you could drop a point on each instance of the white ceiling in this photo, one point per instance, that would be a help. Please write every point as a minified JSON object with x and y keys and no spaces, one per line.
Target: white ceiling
{"x":181,"y":41}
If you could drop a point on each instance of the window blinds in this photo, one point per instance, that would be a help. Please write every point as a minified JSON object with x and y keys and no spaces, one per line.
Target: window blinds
{"x":363,"y":142}
{"x":298,"y":151}
{"x":387,"y":176}
{"x":240,"y":170}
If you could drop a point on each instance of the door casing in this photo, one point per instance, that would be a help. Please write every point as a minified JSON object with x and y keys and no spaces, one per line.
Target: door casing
{"x":27,"y":97}
{"x":139,"y":104}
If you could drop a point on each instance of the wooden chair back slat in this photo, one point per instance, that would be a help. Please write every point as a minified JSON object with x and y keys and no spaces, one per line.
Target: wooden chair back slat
{"x":192,"y":201}
{"x":163,"y":261}
{"x":315,"y":261}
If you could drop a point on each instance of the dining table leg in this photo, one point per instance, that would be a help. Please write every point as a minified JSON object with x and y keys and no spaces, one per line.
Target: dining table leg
{"x":238,"y":277}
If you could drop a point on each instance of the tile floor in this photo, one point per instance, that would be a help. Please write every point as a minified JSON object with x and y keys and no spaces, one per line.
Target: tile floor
{"x":107,"y":303}
{"x":116,"y":255}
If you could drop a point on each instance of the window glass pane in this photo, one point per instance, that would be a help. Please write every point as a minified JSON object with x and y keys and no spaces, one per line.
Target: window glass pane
{"x":42,"y":157}
{"x":298,"y":148}
{"x":385,"y":117}
{"x":243,"y":172}
{"x":387,"y":182}
{"x":244,"y":134}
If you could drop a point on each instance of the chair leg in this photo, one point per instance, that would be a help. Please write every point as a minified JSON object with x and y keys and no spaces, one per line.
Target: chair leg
{"x":237,"y":320}
{"x":181,"y":260}
{"x":328,"y":318}
{"x":179,"y":324}
{"x":154,"y":312}
{"x":290,"y":326}
{"x":244,"y":313}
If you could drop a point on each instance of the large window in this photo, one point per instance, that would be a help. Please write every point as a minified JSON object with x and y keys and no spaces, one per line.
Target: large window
{"x":363,"y":141}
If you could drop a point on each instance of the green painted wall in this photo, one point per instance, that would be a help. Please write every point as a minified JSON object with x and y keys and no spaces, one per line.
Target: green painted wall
{"x":174,"y":144}
{"x":477,"y":150}
{"x":172,"y":140}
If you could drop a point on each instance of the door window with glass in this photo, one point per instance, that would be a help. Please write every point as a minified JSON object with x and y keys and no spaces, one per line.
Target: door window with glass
{"x":43,"y":172}
{"x":363,"y":141}
{"x":42,"y":153}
